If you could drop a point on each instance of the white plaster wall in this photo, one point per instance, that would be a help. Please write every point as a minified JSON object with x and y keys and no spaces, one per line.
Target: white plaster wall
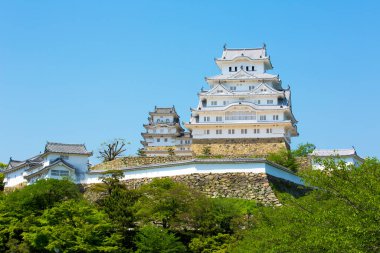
{"x":200,"y":168}
{"x":273,"y":171}
{"x":276,"y":132}
{"x":60,"y":167}
{"x":163,"y":118}
{"x":80,"y":162}
{"x":170,"y":142}
{"x":259,"y":67}
{"x":15,"y":178}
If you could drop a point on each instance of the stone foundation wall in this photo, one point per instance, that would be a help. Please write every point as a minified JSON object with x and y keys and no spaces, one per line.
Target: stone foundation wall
{"x":160,"y":148}
{"x":239,"y":147}
{"x":250,"y":186}
{"x":137,"y":161}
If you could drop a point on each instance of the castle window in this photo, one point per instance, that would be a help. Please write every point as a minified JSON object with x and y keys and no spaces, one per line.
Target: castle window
{"x":247,"y":68}
{"x":275,"y":117}
{"x":253,"y":68}
{"x":206,"y":131}
{"x":258,"y":102}
{"x":233,"y":88}
{"x":206,"y":119}
{"x":225,"y":102}
{"x":158,"y":140}
{"x":219,"y":131}
{"x":214,"y":102}
{"x":251,"y":87}
{"x":231,"y":131}
{"x":166,"y":140}
{"x":218,"y":118}
{"x":244,"y":131}
{"x":181,"y":141}
{"x":270,"y":102}
{"x":235,"y":69}
{"x":263,"y":117}
{"x":59,"y":173}
{"x":256,"y":131}
{"x":230,"y":69}
{"x":167,"y":120}
{"x":269,"y":130}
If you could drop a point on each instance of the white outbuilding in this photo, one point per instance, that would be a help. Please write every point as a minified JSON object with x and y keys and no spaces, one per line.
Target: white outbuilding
{"x":57,"y":161}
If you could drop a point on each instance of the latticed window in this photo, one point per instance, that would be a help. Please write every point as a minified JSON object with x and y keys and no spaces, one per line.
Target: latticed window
{"x":59,"y":173}
{"x":241,"y":115}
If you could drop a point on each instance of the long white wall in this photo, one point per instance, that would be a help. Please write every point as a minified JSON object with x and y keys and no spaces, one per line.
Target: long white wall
{"x":191,"y":168}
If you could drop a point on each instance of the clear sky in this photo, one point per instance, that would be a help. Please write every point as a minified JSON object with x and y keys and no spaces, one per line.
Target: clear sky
{"x":90,"y":71}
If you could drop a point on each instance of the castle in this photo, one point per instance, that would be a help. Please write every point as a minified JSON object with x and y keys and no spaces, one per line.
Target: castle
{"x":243,"y":115}
{"x":245,"y":112}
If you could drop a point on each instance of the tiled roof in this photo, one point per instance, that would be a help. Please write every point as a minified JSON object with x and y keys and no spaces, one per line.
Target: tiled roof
{"x":52,"y":147}
{"x":31,"y":162}
{"x":334,"y":152}
{"x":253,"y":53}
{"x":164,"y":110}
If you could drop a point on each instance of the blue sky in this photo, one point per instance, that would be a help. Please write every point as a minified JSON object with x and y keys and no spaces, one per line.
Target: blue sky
{"x":90,"y":71}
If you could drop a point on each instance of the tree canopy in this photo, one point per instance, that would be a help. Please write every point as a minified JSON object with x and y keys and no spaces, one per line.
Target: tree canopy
{"x":340,"y":214}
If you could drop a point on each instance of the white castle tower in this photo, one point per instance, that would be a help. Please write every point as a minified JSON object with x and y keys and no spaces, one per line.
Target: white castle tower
{"x":245,"y":111}
{"x":164,"y":132}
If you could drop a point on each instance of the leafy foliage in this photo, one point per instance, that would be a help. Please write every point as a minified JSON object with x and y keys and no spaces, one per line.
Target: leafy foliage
{"x":141,"y":152}
{"x":154,"y":239}
{"x":303,"y":150}
{"x":171,"y":151}
{"x":342,"y":215}
{"x":73,"y":226}
{"x":206,"y":151}
{"x":2,"y":182}
{"x":2,"y":166}
{"x":285,"y":158}
{"x":219,"y":243}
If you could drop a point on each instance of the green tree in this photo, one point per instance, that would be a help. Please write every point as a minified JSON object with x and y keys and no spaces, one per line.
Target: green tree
{"x":171,"y":151}
{"x":20,"y":208}
{"x":73,"y":226}
{"x":118,"y":204}
{"x":303,"y":150}
{"x":206,"y":151}
{"x":167,"y":202}
{"x":2,"y":166}
{"x":342,"y":214}
{"x":141,"y":152}
{"x":285,"y":158}
{"x":2,"y":182}
{"x":219,"y":243}
{"x":151,"y":239}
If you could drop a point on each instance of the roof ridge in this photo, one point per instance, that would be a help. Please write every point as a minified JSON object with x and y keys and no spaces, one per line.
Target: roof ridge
{"x":243,"y":49}
{"x":66,"y":144}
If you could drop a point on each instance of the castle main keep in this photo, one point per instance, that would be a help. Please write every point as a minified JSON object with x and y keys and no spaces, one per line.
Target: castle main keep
{"x":244,"y":112}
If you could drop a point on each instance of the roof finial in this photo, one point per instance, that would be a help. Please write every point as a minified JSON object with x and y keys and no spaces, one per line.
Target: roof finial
{"x":264,"y":45}
{"x":225,"y":46}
